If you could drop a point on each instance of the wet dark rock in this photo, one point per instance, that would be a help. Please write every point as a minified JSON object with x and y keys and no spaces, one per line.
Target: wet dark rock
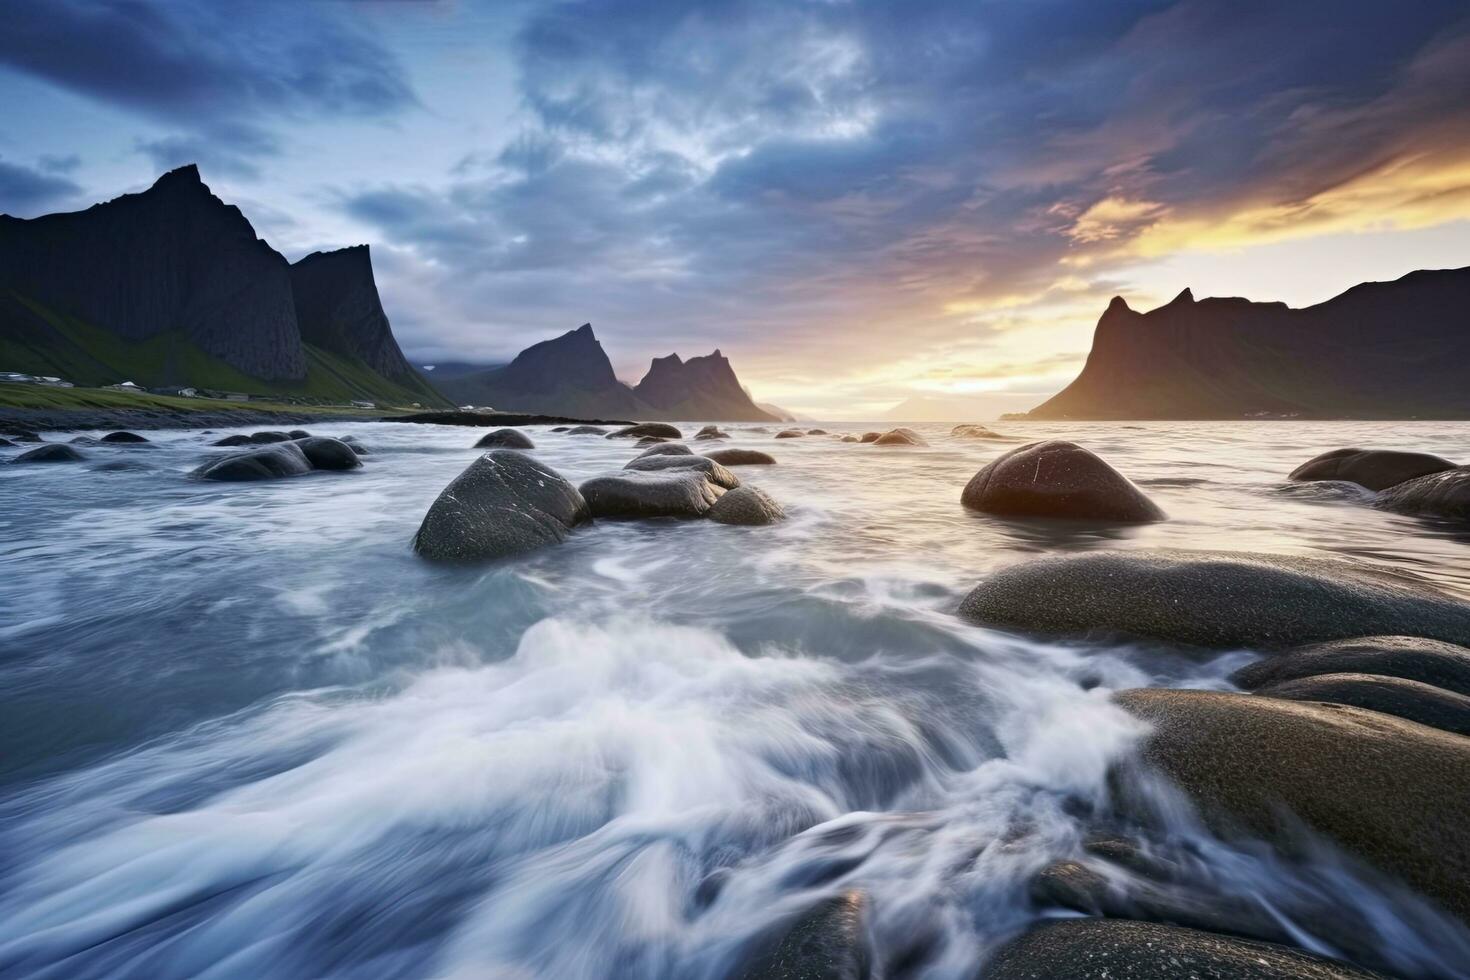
{"x":816,"y":432}
{"x":1214,"y":599}
{"x":22,"y":435}
{"x":1116,"y":949}
{"x":741,"y":457}
{"x":84,"y":441}
{"x":827,"y":943}
{"x":666,"y":449}
{"x":712,"y":471}
{"x":1445,"y":496}
{"x":266,"y":463}
{"x":901,"y":436}
{"x":972,"y":431}
{"x":746,"y":505}
{"x":1376,"y":469}
{"x":235,"y":440}
{"x":850,"y":439}
{"x":586,"y":430}
{"x":630,"y":493}
{"x":1057,"y":480}
{"x":1411,"y":700}
{"x":1442,"y":665}
{"x":325,"y":453}
{"x":50,"y":453}
{"x":790,"y":434}
{"x":356,"y":445}
{"x":123,"y":438}
{"x":270,"y":436}
{"x":1387,"y":791}
{"x":505,"y":503}
{"x":560,"y":428}
{"x":647,"y":441}
{"x":711,"y":432}
{"x":299,"y":434}
{"x":871,"y":437}
{"x":5,"y":442}
{"x":505,"y":439}
{"x":661,"y":430}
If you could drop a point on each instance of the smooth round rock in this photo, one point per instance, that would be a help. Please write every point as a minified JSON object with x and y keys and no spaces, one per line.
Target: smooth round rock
{"x":1213,"y":599}
{"x":1410,"y":700}
{"x":123,"y":438}
{"x":1442,"y":665}
{"x":22,"y":435}
{"x":267,"y":463}
{"x":871,"y":437}
{"x":648,"y":441}
{"x":586,"y":430}
{"x":325,"y":453}
{"x":827,"y":943}
{"x":53,"y":452}
{"x":505,"y":503}
{"x":505,"y":439}
{"x":1117,"y":949}
{"x":712,"y":471}
{"x":816,"y":432}
{"x":741,"y":457}
{"x":1376,"y":469}
{"x":666,"y":449}
{"x":901,"y":436}
{"x":234,"y":440}
{"x":630,"y":493}
{"x":661,"y":430}
{"x":1444,"y":496}
{"x":750,"y":506}
{"x":850,"y":439}
{"x":270,"y":436}
{"x":790,"y":434}
{"x":1057,"y":480}
{"x":972,"y":431}
{"x":1389,"y":792}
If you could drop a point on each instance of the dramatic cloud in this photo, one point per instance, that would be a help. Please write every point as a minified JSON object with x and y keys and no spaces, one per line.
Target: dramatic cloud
{"x":26,"y":192}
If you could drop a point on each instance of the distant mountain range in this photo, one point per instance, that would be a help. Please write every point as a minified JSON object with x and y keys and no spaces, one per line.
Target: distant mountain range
{"x":171,"y":286}
{"x":572,"y":375}
{"x":1381,"y":350}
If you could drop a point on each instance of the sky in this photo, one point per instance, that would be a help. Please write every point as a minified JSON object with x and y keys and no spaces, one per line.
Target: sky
{"x":863,"y":204}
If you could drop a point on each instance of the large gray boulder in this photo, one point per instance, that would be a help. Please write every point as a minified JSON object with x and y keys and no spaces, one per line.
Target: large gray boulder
{"x":1116,"y":949}
{"x":1444,"y":496}
{"x":658,"y":430}
{"x":1411,"y":700}
{"x":1389,"y":792}
{"x":505,"y":439}
{"x":631,"y":493}
{"x":586,"y":430}
{"x":713,"y":472}
{"x":1214,"y":599}
{"x":666,"y":449}
{"x":900,"y":436}
{"x":972,"y":431}
{"x":1443,"y":665}
{"x":53,"y":452}
{"x":325,"y":453}
{"x":1058,"y":480}
{"x":234,"y":440}
{"x":746,"y":505}
{"x":829,"y":942}
{"x":505,"y":503}
{"x":1376,"y":469}
{"x":741,"y":457}
{"x":266,"y":463}
{"x":123,"y":438}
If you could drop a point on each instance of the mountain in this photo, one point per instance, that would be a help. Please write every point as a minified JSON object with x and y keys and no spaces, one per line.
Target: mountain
{"x":457,"y":369}
{"x":955,"y":408}
{"x":1380,"y":350}
{"x":572,"y":375}
{"x":171,"y":286}
{"x":699,"y":388}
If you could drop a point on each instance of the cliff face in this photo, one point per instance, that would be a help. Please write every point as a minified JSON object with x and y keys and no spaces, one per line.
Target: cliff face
{"x":1379,"y":350}
{"x":699,"y":388}
{"x":338,"y":309}
{"x":173,"y":259}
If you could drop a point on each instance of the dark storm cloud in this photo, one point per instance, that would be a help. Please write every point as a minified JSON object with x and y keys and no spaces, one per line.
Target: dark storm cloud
{"x":26,"y":192}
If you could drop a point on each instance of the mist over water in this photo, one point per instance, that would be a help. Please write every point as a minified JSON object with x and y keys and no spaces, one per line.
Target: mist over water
{"x":247,"y":733}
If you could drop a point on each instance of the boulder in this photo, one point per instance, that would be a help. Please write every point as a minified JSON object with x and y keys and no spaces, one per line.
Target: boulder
{"x":1376,"y":469}
{"x":648,"y":441}
{"x":586,"y":430}
{"x":52,"y":452}
{"x":829,"y":942}
{"x":325,"y":453}
{"x":680,"y":493}
{"x":84,"y":441}
{"x":816,"y":432}
{"x":1443,"y":665}
{"x":1445,"y":496}
{"x":850,"y":439}
{"x":871,"y":437}
{"x":22,"y":435}
{"x":1386,"y":791}
{"x":266,"y":463}
{"x":712,"y":436}
{"x":1412,"y":700}
{"x":900,"y":436}
{"x":790,"y":434}
{"x":235,"y":440}
{"x":710,"y":432}
{"x":746,"y":505}
{"x":666,"y":449}
{"x":712,"y":471}
{"x":1117,"y":949}
{"x":299,"y":434}
{"x":505,"y":503}
{"x":269,"y":436}
{"x":123,"y":438}
{"x":661,"y":430}
{"x":972,"y":431}
{"x":1213,"y":599}
{"x":741,"y":457}
{"x":356,"y":445}
{"x":505,"y":439}
{"x":560,"y":428}
{"x":1057,"y":480}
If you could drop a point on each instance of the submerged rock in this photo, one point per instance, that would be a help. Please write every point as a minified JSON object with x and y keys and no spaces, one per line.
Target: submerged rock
{"x":1410,"y":700}
{"x":871,"y":437}
{"x":356,"y":445}
{"x":50,"y":453}
{"x":680,"y":493}
{"x":560,"y":428}
{"x":741,"y":457}
{"x":270,"y":436}
{"x":711,"y":432}
{"x":235,"y":440}
{"x":1413,"y":658}
{"x":505,"y":503}
{"x":1376,"y":469}
{"x":505,"y":439}
{"x":746,"y":505}
{"x":816,"y":432}
{"x":790,"y":434}
{"x":325,"y":453}
{"x":1215,"y":599}
{"x":827,"y":943}
{"x":713,"y":472}
{"x":972,"y":431}
{"x":266,"y":463}
{"x":648,"y":441}
{"x":22,"y":435}
{"x":1117,"y":949}
{"x":5,"y":442}
{"x":666,"y":449}
{"x":900,"y":437}
{"x":123,"y":438}
{"x":1057,"y":480}
{"x":586,"y":430}
{"x":1387,"y":791}
{"x":299,"y":434}
{"x":661,"y":430}
{"x":850,"y":439}
{"x":1444,"y":495}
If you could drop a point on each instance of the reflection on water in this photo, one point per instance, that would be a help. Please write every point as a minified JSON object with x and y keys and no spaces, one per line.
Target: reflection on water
{"x":246,"y":733}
